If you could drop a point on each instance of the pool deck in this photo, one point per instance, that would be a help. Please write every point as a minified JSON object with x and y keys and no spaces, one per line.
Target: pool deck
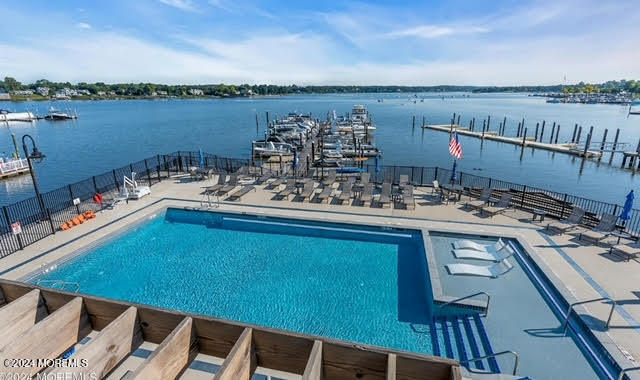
{"x":586,"y":271}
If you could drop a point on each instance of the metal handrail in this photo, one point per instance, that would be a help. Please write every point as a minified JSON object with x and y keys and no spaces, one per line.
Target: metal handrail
{"x":613,"y":306}
{"x":486,"y":310}
{"x":515,"y":355}
{"x":60,"y":282}
{"x":627,"y":370}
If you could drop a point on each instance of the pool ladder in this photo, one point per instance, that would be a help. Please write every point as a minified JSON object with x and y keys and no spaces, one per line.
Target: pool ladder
{"x":486,"y":308}
{"x":570,"y":310}
{"x":515,"y":356}
{"x":208,"y":203}
{"x":62,"y":285}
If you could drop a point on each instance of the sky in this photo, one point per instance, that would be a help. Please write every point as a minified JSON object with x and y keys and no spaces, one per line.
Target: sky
{"x":460,"y":42}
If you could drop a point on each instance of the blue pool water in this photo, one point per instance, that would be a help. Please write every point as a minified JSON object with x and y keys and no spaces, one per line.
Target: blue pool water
{"x":365,"y":285}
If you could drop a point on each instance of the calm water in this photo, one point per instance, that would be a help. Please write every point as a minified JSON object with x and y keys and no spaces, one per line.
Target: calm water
{"x":277,"y":276}
{"x":111,"y":134}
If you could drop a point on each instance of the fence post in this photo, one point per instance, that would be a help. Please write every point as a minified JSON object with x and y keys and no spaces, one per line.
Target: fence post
{"x":95,"y":186}
{"x":158,"y":167}
{"x":422,"y":177}
{"x":53,"y":229}
{"x":6,"y":216}
{"x":435,"y":176}
{"x":179,"y":162}
{"x":131,"y":169}
{"x":146,"y":166}
{"x":71,"y":195}
{"x":524,"y":191}
{"x":489,"y":182}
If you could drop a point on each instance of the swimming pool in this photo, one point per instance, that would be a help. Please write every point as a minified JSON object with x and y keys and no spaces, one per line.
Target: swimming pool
{"x":365,"y":284}
{"x":362,"y":284}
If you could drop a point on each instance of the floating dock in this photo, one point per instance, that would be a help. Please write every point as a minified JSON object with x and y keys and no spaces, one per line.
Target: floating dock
{"x":566,"y":148}
{"x":13,"y":168}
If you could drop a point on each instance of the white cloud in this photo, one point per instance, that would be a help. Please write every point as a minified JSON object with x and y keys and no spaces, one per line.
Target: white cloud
{"x":435,"y":31}
{"x":185,"y":5}
{"x":83,"y":25}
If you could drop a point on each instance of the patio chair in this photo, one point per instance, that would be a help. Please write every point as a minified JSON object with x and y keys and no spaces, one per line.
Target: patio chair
{"x":288,"y":190}
{"x":469,"y":244}
{"x":491,"y":254}
{"x":408,"y":199}
{"x":571,"y":222}
{"x":238,"y":194}
{"x":388,"y":177}
{"x":436,"y":187}
{"x":330,"y":179}
{"x":345,"y":194}
{"x":367,"y":194}
{"x":606,"y":226}
{"x":385,"y":195}
{"x":230,"y":185}
{"x":404,"y":180}
{"x":499,"y":207}
{"x":365,"y":178}
{"x":222,"y":179}
{"x":629,"y":250}
{"x":325,"y":194}
{"x":485,"y":197}
{"x":307,"y":191}
{"x":493,"y":271}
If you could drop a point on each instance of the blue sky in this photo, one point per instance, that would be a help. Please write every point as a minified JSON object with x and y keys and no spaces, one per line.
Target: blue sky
{"x":314,"y":42}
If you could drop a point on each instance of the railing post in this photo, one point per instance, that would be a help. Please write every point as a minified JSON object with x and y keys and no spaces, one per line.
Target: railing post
{"x":158,"y":167}
{"x":435,"y":176}
{"x":564,"y":202}
{"x":524,"y":191}
{"x":146,"y":166}
{"x":71,"y":195}
{"x":489,"y":182}
{"x":179,"y":162}
{"x":422,"y":177}
{"x":95,"y":185}
{"x":53,"y":229}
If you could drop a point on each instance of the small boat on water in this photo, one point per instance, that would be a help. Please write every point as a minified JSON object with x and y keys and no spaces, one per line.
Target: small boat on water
{"x":6,"y":115}
{"x":269,"y":148}
{"x":55,"y":114}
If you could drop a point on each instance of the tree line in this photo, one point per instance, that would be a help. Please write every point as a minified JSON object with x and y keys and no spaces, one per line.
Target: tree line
{"x":10,"y":84}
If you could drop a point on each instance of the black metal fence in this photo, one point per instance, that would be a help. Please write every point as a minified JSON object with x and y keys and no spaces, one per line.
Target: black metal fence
{"x":59,"y":206}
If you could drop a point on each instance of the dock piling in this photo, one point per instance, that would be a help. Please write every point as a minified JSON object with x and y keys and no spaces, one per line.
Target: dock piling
{"x":542,"y":131}
{"x":604,"y":139}
{"x":424,"y":121}
{"x":458,"y":120}
{"x":557,"y":133}
{"x":586,"y":145}
{"x":257,"y":124}
{"x":484,"y":125}
{"x":473,"y":124}
{"x":504,"y":125}
{"x":536,"y":135}
{"x":267,"y":116}
{"x":579,"y":135}
{"x":413,"y":123}
{"x":488,"y":122}
{"x":553,"y":131}
{"x":524,"y":138}
{"x":575,"y":129}
{"x":615,"y":144}
{"x":518,"y":131}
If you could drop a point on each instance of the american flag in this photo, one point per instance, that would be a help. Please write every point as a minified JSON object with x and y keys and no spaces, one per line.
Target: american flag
{"x":454,"y":146}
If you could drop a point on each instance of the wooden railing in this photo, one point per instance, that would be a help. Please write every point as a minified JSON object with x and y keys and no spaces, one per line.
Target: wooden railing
{"x":39,"y":323}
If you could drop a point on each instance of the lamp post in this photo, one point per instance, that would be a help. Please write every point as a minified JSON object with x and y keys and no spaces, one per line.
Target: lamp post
{"x":37,"y":156}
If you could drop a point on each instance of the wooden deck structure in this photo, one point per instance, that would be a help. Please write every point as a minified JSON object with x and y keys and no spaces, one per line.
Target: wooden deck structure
{"x":39,"y":323}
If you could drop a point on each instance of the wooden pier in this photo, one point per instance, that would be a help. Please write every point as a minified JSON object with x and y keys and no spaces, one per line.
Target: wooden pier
{"x":525,"y":141}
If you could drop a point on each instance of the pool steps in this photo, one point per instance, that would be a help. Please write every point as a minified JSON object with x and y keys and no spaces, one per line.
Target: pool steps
{"x":463,"y":337}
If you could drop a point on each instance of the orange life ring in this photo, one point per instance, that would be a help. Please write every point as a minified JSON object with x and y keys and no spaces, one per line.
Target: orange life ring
{"x":81,"y":218}
{"x":76,"y":221}
{"x":97,"y":197}
{"x":64,"y":226}
{"x":89,"y":214}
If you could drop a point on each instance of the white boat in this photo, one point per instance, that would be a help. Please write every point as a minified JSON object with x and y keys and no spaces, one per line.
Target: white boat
{"x":332,"y":154}
{"x":268,"y":149}
{"x":55,"y":114}
{"x":16,"y":116}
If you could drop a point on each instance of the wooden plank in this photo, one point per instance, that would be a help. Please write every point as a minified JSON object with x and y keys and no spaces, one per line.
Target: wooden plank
{"x":2,"y":300}
{"x":18,"y":316}
{"x":49,"y":338}
{"x":352,"y":362}
{"x":282,"y":350}
{"x":416,"y":367}
{"x":103,"y":353}
{"x":241,"y":361}
{"x":391,"y":367}
{"x":313,"y":371}
{"x":456,"y":373}
{"x":171,"y":358}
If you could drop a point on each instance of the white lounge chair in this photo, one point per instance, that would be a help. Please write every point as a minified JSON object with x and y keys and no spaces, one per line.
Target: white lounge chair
{"x":494,"y":271}
{"x":491,"y":255}
{"x":468,"y":244}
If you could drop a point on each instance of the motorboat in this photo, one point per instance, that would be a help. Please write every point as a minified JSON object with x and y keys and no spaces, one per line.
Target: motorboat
{"x":269,"y":148}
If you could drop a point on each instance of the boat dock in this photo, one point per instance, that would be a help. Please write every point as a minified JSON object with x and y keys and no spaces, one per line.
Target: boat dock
{"x":524,"y":141}
{"x":14,"y":168}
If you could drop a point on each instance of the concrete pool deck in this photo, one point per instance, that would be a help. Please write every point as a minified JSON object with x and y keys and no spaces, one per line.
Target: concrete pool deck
{"x":586,"y":271}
